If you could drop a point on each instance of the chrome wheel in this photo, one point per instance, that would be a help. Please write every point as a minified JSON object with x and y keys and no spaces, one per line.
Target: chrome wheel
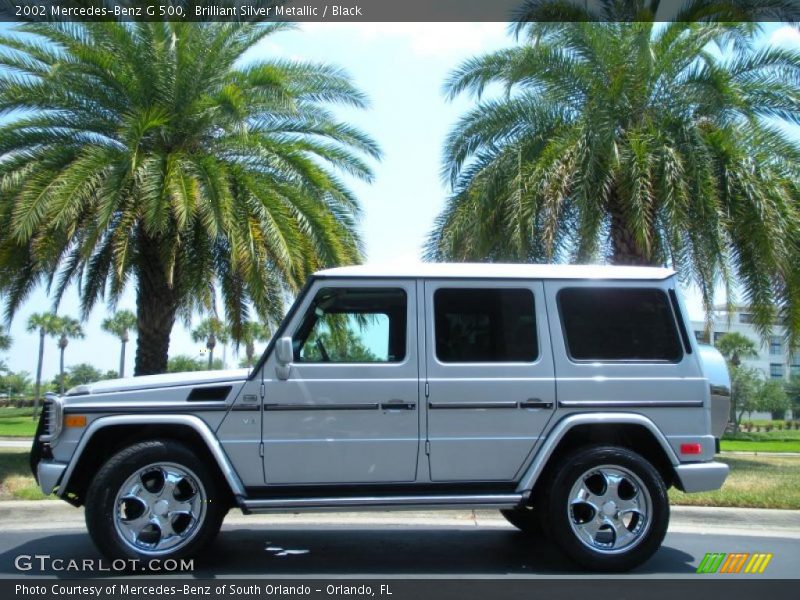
{"x":609,"y":509}
{"x":160,"y":508}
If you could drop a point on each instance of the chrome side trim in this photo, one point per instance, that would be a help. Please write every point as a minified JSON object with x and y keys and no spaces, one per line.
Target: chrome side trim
{"x":463,"y":405}
{"x":562,"y":427}
{"x":439,"y":501}
{"x":155,"y":419}
{"x":355,"y":406}
{"x":632,"y":403}
{"x":182,"y":406}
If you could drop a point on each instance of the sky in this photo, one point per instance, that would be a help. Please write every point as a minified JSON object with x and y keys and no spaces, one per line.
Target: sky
{"x":401,"y":67}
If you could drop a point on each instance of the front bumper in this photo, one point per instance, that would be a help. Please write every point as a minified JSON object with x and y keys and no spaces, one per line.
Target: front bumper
{"x":701,"y":477}
{"x":48,"y":474}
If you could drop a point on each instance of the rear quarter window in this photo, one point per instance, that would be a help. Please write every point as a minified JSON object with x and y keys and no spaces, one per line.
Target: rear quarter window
{"x":619,"y":324}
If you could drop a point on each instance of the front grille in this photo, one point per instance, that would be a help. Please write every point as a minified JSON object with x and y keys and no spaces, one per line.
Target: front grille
{"x":47,"y":417}
{"x":51,"y":418}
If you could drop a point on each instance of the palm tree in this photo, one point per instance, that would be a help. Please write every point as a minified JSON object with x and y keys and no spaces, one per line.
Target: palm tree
{"x":251,"y":332}
{"x":47,"y":324}
{"x":210,"y":331}
{"x":120,"y":325}
{"x":154,"y":153}
{"x":736,"y":347}
{"x":636,"y":143}
{"x":68,"y":329}
{"x":5,"y":344}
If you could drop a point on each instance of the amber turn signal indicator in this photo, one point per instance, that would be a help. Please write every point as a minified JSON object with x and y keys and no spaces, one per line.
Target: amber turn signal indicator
{"x":75,"y":421}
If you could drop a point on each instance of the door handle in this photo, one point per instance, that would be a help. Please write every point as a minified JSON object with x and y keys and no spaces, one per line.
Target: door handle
{"x":535,"y":403}
{"x":398,"y":405}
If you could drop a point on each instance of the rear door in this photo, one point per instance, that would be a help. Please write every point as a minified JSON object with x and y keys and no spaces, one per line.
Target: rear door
{"x":489,"y":375}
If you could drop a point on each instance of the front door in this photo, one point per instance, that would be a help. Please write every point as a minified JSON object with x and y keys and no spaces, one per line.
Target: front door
{"x":490,"y":378}
{"x":348,"y":412}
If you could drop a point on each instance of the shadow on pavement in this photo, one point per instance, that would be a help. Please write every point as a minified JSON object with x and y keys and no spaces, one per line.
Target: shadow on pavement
{"x":341,"y":551}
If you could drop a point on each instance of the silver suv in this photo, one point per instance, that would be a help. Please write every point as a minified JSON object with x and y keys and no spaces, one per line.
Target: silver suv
{"x":568,"y":397}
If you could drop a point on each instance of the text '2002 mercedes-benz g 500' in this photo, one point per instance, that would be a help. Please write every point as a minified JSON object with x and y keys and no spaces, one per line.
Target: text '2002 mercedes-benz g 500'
{"x":568,"y":397}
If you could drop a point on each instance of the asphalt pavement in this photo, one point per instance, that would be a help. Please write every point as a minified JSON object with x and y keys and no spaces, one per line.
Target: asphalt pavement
{"x":419,"y":544}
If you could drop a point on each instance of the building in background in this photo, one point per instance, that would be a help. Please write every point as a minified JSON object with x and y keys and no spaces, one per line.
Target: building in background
{"x":774,"y":359}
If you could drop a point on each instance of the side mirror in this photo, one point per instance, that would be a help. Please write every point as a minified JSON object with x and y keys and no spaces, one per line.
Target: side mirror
{"x":284,"y":355}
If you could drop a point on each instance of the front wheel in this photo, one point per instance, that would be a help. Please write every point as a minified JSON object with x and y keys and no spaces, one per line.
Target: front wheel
{"x":154,"y":499}
{"x":606,"y":507}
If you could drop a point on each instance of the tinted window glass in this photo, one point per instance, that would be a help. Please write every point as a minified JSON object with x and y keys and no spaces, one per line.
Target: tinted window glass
{"x":485,"y":325}
{"x":619,"y":324}
{"x":354,"y":325}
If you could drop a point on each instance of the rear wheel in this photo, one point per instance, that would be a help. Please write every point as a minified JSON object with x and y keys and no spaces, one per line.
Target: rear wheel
{"x":606,"y":507}
{"x":154,"y":499}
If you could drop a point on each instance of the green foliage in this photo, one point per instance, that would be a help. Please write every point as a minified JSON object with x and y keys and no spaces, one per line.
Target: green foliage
{"x":793,"y":393}
{"x":5,"y":341}
{"x":17,"y":383}
{"x":182,"y":364}
{"x":153,"y":153}
{"x":49,"y":323}
{"x":210,"y":331}
{"x":771,"y":397}
{"x":80,"y":374}
{"x":745,"y":385}
{"x":735,"y":344}
{"x":120,"y":324}
{"x":248,"y":334}
{"x":637,"y":143}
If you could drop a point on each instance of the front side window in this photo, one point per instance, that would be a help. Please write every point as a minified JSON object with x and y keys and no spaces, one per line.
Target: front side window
{"x":619,"y":324}
{"x":353,"y":325}
{"x":485,"y":325}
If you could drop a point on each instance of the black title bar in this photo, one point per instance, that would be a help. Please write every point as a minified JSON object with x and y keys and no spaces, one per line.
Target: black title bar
{"x":399,"y":10}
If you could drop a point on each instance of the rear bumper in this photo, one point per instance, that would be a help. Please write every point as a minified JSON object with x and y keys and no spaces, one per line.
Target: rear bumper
{"x":48,"y":474}
{"x":701,"y":477}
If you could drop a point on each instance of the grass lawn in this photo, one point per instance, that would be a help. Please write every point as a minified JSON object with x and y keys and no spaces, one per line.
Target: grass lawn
{"x":764,"y":441}
{"x":14,"y":424}
{"x":16,"y":481}
{"x":754,"y":482}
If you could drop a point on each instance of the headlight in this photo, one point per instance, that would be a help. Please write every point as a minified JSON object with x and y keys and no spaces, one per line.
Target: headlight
{"x":53,"y":415}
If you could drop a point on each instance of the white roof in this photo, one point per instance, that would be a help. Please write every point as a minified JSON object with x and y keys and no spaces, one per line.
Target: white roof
{"x":497,"y":271}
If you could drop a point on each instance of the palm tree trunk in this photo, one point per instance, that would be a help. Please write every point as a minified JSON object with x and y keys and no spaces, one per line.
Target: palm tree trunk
{"x":625,"y":249}
{"x":61,"y":370}
{"x":155,"y":310}
{"x":210,"y":358}
{"x":39,"y":374}
{"x":250,"y":350}
{"x":122,"y":360}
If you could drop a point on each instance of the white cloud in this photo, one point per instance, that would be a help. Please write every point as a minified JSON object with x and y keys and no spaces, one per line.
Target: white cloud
{"x":425,"y":39}
{"x":785,"y":36}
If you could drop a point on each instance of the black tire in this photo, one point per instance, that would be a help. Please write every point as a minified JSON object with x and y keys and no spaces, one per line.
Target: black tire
{"x":101,"y":500}
{"x":560,"y":521}
{"x":524,"y":518}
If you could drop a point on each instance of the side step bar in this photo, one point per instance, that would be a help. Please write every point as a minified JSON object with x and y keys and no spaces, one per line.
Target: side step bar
{"x":380,"y":502}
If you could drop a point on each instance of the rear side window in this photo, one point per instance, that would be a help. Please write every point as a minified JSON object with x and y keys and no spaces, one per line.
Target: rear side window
{"x":485,"y":325}
{"x":609,"y":324}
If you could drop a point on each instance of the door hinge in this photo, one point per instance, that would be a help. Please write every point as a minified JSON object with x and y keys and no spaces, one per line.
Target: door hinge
{"x":427,"y":390}
{"x":261,"y":449}
{"x":428,"y":447}
{"x":263,"y":390}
